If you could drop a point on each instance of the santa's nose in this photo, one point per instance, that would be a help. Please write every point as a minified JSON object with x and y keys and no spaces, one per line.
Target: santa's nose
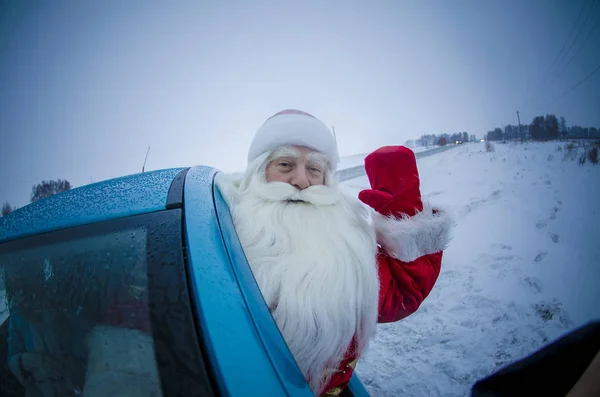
{"x":299,"y":179}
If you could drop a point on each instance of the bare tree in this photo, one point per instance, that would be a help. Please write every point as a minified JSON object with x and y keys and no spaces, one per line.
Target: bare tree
{"x":7,"y":209}
{"x":49,"y":188}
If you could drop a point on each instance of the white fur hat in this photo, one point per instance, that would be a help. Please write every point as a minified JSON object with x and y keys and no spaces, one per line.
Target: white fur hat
{"x":294,"y":127}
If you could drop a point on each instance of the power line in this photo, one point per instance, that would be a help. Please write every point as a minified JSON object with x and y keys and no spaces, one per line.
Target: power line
{"x":546,"y":75}
{"x":580,"y":29}
{"x":583,"y":44}
{"x":567,"y":40}
{"x":573,"y":88}
{"x":579,"y":83}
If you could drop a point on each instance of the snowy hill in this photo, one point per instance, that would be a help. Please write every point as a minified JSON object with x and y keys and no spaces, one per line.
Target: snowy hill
{"x":523,"y":268}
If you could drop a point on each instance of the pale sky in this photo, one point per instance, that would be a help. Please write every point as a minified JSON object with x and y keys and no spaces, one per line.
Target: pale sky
{"x":86,"y":87}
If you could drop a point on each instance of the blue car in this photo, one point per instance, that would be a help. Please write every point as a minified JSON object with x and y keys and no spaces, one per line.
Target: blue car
{"x":140,"y":276}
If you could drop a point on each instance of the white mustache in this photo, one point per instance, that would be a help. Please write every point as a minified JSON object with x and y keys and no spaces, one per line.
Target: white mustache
{"x":319,"y":195}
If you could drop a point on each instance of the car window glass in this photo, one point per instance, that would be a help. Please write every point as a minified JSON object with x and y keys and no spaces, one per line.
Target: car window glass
{"x":79,"y":317}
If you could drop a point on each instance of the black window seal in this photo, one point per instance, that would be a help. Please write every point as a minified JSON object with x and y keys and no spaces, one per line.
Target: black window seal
{"x":175,"y":195}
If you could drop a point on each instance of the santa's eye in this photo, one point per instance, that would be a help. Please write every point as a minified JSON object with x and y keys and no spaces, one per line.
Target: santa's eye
{"x":284,"y":164}
{"x":315,"y":170}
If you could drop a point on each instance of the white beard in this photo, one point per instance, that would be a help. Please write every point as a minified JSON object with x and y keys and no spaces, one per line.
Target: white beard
{"x":315,"y":263}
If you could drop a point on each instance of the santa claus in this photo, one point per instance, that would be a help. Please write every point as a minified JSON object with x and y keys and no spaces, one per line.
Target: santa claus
{"x":330,"y":267}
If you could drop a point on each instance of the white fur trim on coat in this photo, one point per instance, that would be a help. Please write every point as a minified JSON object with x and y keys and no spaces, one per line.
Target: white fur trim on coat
{"x":409,"y":238}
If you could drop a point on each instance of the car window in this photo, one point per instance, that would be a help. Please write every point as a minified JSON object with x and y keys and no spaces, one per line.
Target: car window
{"x":102,"y":310}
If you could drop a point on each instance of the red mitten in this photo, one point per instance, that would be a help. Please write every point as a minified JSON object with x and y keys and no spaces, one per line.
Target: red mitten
{"x":394,"y":179}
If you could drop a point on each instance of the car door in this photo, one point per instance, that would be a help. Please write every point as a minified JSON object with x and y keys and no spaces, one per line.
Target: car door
{"x":246,"y":344}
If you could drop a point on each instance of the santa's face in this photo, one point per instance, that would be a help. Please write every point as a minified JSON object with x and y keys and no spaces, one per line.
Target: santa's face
{"x":312,"y":252}
{"x":298,"y":166}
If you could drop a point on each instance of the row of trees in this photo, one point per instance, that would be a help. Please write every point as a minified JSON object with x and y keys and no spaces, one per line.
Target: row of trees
{"x":442,"y":139}
{"x":40,"y":191}
{"x":542,"y":128}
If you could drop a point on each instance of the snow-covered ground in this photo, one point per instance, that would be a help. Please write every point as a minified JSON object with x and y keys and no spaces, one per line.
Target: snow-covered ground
{"x":522,"y":270}
{"x":424,"y":148}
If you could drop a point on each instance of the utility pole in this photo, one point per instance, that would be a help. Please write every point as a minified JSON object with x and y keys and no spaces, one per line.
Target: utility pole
{"x":519,"y":119}
{"x":144,"y":166}
{"x":334,"y":137}
{"x":335,"y":141}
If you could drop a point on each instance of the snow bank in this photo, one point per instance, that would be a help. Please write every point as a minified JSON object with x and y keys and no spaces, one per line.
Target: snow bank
{"x":351,"y":161}
{"x":424,"y":148}
{"x":522,"y":269}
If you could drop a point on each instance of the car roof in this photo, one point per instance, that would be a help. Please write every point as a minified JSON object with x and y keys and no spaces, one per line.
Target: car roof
{"x":115,"y":198}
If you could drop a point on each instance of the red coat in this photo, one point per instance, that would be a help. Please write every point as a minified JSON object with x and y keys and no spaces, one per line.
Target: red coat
{"x":411,"y":235}
{"x":403,"y":286}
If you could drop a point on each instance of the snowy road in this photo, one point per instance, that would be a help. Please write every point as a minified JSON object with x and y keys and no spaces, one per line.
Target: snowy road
{"x":521,"y":270}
